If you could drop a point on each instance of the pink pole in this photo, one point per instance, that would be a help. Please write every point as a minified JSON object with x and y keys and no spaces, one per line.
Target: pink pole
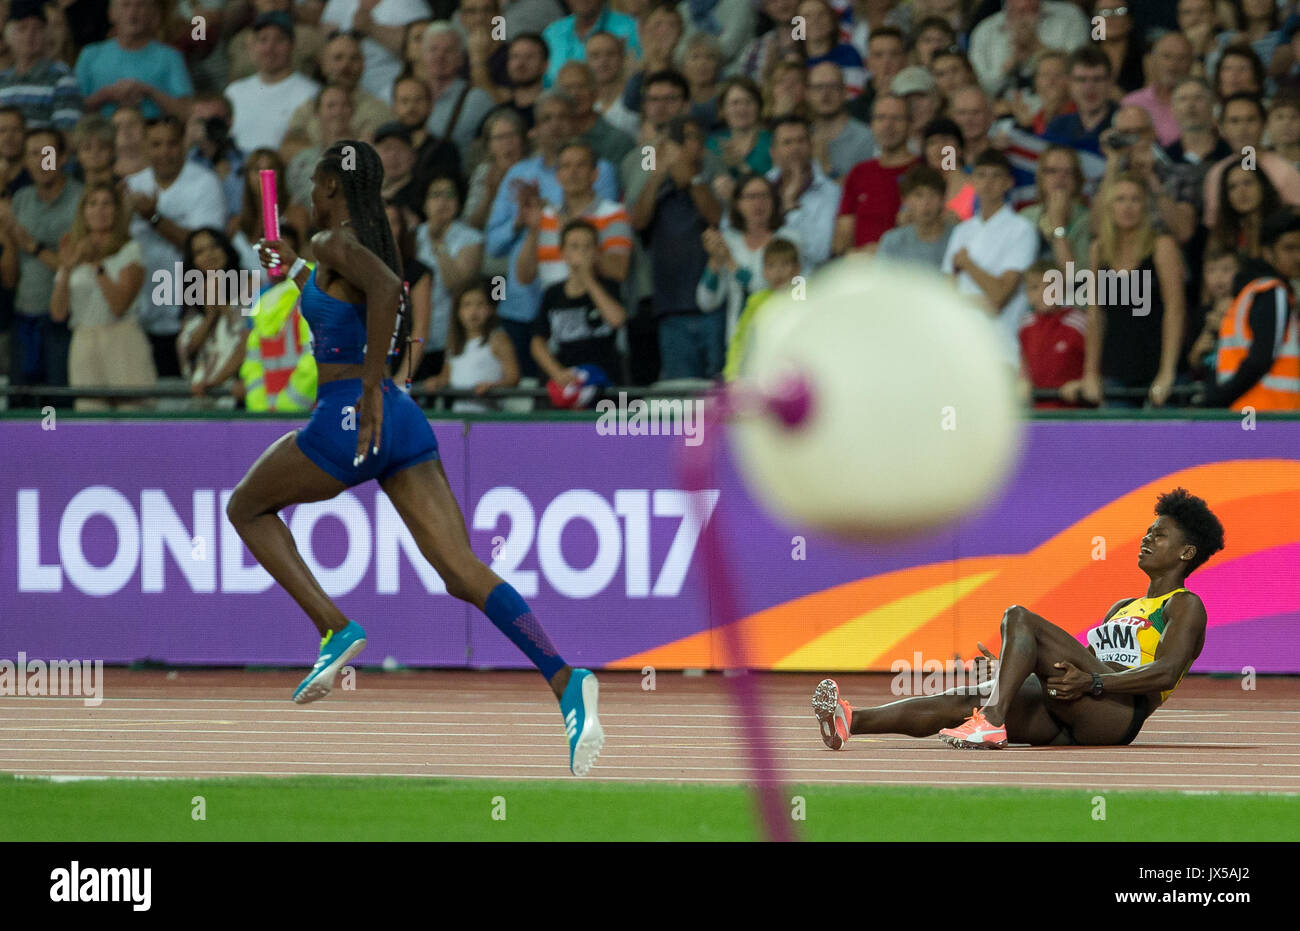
{"x":270,"y":214}
{"x":698,"y":471}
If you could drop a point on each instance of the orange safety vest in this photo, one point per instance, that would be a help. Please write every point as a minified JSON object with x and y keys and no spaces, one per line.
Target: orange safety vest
{"x":1279,"y":389}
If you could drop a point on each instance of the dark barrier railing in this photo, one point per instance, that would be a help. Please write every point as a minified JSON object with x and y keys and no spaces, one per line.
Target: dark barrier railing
{"x":179,"y":390}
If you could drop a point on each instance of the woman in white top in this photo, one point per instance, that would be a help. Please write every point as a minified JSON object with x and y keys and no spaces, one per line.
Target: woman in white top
{"x":96,"y":289}
{"x":480,"y":355}
{"x":735,"y":269}
{"x":214,"y":334}
{"x":454,"y":250}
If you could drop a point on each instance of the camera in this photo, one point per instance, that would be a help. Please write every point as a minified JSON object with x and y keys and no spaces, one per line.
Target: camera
{"x":1118,"y":140}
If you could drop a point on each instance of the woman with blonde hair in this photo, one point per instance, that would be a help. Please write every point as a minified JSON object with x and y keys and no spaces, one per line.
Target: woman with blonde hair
{"x":786,"y":90}
{"x":97,"y":287}
{"x":1137,"y":313}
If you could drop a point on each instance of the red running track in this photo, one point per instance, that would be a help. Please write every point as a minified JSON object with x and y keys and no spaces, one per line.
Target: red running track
{"x":1211,"y":736}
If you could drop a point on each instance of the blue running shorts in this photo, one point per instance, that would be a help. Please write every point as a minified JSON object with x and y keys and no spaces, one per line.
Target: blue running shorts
{"x":406,"y":438}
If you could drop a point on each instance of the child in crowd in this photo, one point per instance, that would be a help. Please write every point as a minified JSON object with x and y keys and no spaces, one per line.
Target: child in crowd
{"x":1284,"y":127}
{"x":579,"y":316}
{"x":780,"y":266}
{"x":1051,"y":337}
{"x":480,"y":355}
{"x":1221,"y":268}
{"x":925,"y":237}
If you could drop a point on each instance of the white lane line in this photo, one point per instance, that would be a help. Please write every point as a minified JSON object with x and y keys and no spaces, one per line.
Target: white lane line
{"x":601,"y":778}
{"x":861,"y":745}
{"x":786,"y":756}
{"x":786,"y":772}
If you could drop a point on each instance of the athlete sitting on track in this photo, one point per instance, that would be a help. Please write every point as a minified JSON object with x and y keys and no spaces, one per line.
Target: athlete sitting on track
{"x":1049,"y":688}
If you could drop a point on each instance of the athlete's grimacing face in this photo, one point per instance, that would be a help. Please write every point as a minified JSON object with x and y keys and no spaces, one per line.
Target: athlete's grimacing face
{"x":1163,"y":546}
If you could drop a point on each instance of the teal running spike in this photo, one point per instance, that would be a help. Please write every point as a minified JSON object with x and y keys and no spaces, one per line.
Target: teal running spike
{"x":581,"y":723}
{"x":336,"y":649}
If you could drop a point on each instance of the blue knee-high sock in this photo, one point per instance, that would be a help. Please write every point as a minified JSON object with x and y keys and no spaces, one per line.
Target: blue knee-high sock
{"x":512,"y":616}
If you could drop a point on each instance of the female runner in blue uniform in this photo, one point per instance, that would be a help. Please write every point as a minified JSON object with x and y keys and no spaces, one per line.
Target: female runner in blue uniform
{"x":364,"y":427}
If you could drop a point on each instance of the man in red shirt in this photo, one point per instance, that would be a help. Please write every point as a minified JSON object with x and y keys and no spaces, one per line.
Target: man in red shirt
{"x":872,"y":198}
{"x":1052,"y":337}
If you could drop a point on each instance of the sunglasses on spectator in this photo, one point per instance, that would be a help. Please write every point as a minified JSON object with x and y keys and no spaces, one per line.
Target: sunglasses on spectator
{"x":1113,"y":11}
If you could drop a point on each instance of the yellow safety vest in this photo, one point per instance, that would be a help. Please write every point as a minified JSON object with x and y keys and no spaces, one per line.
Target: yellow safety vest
{"x":279,"y":371}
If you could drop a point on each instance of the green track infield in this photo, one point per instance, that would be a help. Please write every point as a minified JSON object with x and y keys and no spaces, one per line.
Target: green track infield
{"x":396,"y":809}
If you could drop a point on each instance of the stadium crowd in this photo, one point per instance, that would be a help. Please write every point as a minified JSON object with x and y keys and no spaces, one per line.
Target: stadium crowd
{"x":614,"y":188}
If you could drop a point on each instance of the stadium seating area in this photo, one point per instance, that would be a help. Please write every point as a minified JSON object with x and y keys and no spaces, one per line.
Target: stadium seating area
{"x":610,"y":190}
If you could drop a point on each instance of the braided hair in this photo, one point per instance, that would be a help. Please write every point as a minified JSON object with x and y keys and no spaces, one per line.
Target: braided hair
{"x":361,"y":175}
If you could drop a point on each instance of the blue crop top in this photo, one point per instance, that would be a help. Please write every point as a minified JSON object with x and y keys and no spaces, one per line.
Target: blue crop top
{"x":338,"y":329}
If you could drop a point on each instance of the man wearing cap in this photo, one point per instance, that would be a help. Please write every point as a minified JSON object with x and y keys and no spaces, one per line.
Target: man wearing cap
{"x":915,"y":85}
{"x":44,"y":89}
{"x":265,"y":101}
{"x":393,"y":143}
{"x":133,"y":68}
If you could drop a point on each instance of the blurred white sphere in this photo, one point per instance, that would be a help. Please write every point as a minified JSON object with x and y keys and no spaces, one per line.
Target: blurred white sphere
{"x":914,"y":418}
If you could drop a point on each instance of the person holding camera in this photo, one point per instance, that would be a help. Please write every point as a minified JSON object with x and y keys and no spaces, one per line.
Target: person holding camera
{"x":208,"y":142}
{"x":1131,"y":148}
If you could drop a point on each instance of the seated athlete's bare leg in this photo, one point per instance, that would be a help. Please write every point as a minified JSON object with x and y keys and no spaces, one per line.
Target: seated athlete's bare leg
{"x":283,"y":475}
{"x":926,"y":715}
{"x":1031,"y":645}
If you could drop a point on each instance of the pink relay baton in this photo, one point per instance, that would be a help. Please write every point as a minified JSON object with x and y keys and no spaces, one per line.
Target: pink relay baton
{"x":270,"y":215}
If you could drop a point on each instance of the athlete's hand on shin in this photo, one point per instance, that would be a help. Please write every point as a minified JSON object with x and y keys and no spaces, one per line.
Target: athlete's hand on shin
{"x":1071,"y":682}
{"x":370,"y":409}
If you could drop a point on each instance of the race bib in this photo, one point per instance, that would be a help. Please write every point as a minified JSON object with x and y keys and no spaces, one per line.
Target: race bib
{"x":1115,"y":641}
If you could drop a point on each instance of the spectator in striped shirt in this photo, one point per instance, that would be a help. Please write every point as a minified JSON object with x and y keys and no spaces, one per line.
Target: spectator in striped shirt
{"x":44,"y":89}
{"x":540,"y":258}
{"x":823,"y":43}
